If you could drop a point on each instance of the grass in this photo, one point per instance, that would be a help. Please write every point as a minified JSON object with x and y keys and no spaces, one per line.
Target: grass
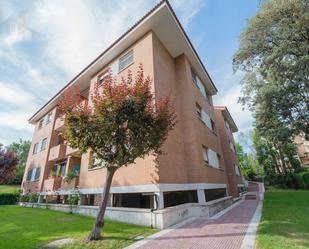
{"x":9,"y":188}
{"x":26,"y":228}
{"x":285,"y":220}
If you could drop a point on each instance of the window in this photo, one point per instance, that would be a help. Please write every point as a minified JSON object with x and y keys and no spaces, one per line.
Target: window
{"x":37,"y":173}
{"x":206,"y":119}
{"x":214,"y":158}
{"x":43,"y":144}
{"x":41,"y":123}
{"x":232,"y":146}
{"x":76,"y":168}
{"x":198,"y":110}
{"x":55,"y":168}
{"x":237,"y":171}
{"x":213,"y":125}
{"x":179,"y":197}
{"x":62,"y":168}
{"x":199,"y":84}
{"x":205,"y":155}
{"x":103,"y":77}
{"x":133,"y":200}
{"x":213,"y":194}
{"x":125,"y":60}
{"x":35,"y":148}
{"x":29,"y":173}
{"x":227,"y":125}
{"x":48,"y":118}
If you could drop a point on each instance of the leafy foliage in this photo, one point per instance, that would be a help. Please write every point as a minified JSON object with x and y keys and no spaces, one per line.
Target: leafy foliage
{"x":33,"y":197}
{"x":274,"y":54}
{"x":123,"y":121}
{"x":8,"y":163}
{"x":250,"y":167}
{"x":8,"y":198}
{"x":21,"y":149}
{"x":70,"y":176}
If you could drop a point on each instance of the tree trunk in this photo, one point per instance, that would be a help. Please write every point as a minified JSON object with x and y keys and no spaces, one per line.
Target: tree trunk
{"x":99,"y":223}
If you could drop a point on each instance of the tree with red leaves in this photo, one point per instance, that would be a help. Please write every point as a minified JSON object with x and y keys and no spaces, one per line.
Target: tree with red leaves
{"x":122,"y":122}
{"x":8,"y":163}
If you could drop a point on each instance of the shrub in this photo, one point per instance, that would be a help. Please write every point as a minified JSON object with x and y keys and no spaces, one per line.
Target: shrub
{"x":24,"y":198}
{"x":74,"y":197}
{"x":8,"y":199}
{"x":33,"y":197}
{"x":70,"y":176}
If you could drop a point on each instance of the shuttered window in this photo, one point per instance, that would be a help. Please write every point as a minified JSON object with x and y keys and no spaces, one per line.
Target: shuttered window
{"x":206,"y":119}
{"x":125,"y":60}
{"x":214,"y":158}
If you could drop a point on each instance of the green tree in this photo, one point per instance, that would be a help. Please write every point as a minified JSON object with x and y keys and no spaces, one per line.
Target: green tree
{"x":21,"y":149}
{"x":250,"y":167}
{"x":122,"y":122}
{"x":8,"y":162}
{"x":274,"y":54}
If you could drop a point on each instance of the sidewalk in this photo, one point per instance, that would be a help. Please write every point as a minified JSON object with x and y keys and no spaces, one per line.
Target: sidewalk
{"x":229,"y":231}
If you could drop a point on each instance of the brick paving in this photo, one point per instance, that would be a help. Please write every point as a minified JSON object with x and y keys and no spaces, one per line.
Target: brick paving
{"x":226,"y":232}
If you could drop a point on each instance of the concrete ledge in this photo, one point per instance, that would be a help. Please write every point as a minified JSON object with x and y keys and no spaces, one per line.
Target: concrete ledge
{"x":144,"y":217}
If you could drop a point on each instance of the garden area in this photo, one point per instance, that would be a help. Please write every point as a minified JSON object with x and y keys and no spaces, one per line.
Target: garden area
{"x":285,"y":220}
{"x":26,"y":228}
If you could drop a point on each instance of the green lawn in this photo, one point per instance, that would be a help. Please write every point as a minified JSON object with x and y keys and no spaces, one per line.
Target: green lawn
{"x":22,"y":227}
{"x":285,"y":220}
{"x":9,"y":188}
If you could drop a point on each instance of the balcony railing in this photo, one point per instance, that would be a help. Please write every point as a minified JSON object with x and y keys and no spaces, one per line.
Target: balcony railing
{"x":70,"y":184}
{"x":57,"y":152}
{"x":70,"y":151}
{"x":52,"y":184}
{"x":59,"y":124}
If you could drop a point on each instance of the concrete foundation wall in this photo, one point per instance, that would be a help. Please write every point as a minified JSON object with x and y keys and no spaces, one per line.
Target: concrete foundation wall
{"x":144,"y":217}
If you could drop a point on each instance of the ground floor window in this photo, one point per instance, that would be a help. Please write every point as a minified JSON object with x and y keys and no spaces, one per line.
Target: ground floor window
{"x":88,"y":200}
{"x":179,"y":197}
{"x":133,"y":200}
{"x":213,"y":194}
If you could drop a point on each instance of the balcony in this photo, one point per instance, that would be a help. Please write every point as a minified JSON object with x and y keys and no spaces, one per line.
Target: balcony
{"x":59,"y":124}
{"x":57,"y":152}
{"x":72,"y":152}
{"x":71,"y":184}
{"x":52,"y":184}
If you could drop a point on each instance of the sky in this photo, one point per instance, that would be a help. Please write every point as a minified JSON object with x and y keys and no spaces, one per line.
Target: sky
{"x":44,"y":44}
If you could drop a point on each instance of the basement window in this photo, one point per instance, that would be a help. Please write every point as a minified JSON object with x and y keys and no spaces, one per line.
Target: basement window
{"x":133,"y":200}
{"x":179,"y":197}
{"x":213,"y":194}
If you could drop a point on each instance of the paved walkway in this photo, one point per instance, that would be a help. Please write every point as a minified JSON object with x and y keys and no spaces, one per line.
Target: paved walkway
{"x":226,"y":232}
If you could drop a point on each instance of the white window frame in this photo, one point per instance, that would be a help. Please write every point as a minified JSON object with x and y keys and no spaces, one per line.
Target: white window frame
{"x":237,"y":170}
{"x":43,"y":144}
{"x":125,"y":60}
{"x":48,"y":118}
{"x":205,"y":154}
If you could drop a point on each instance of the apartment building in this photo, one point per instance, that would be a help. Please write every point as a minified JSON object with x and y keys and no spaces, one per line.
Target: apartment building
{"x":226,"y":127}
{"x":198,"y":166}
{"x":302,"y":146}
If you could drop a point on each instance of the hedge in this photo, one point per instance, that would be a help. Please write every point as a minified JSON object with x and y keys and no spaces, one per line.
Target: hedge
{"x":8,"y":199}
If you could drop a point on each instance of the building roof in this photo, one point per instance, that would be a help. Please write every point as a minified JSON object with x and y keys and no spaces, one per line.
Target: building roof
{"x":163,"y":21}
{"x":226,"y":114}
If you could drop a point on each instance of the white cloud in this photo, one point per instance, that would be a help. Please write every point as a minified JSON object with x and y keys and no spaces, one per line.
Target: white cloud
{"x":16,"y":119}
{"x":187,"y":9}
{"x":61,"y":37}
{"x":242,"y":118}
{"x":76,"y":31}
{"x":12,"y":95}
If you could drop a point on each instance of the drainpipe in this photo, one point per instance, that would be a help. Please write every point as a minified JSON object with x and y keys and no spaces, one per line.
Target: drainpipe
{"x":154,"y":209}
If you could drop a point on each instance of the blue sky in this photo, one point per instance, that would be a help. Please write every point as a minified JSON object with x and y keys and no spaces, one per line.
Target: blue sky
{"x":43,"y":44}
